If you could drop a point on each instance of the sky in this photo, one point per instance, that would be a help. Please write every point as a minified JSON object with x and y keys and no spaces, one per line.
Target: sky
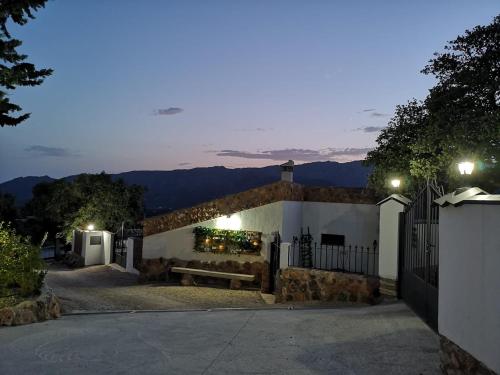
{"x":162,"y":85}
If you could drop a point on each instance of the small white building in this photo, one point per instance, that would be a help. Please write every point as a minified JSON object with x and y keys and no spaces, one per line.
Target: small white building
{"x":94,"y":246}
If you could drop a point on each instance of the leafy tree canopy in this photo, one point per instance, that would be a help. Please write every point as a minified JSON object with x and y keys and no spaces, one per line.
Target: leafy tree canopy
{"x":459,"y":119}
{"x":62,"y":205}
{"x":8,"y":211}
{"x":14,"y":70}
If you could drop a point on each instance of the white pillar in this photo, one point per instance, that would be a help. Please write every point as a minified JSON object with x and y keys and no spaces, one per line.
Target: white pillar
{"x":130,"y":256}
{"x":284,"y":251}
{"x":389,"y":235}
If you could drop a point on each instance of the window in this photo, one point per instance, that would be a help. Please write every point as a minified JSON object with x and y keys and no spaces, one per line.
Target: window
{"x":332,"y":239}
{"x":95,"y":240}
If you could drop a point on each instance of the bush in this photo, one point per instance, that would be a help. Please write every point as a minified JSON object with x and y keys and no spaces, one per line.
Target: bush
{"x":22,"y":269}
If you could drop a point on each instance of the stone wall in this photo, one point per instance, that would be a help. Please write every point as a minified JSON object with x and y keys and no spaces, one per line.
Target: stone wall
{"x":276,"y":192}
{"x":302,"y":284}
{"x":159,"y":270}
{"x":456,"y":361}
{"x":45,"y":307}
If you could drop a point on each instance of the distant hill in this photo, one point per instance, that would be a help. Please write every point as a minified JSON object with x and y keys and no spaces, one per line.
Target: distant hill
{"x":170,"y":190}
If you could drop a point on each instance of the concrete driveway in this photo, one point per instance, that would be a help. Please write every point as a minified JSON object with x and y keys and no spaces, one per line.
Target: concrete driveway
{"x":386,"y":339}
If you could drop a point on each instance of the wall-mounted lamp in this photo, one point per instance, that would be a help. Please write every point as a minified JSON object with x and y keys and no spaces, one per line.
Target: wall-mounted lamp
{"x":466,"y":167}
{"x":230,"y":222}
{"x":90,"y":227}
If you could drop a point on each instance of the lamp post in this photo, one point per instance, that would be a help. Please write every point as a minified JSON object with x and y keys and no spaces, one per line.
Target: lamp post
{"x":395,"y":183}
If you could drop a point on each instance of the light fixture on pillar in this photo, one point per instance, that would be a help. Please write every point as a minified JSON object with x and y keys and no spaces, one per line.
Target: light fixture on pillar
{"x":90,"y":227}
{"x":466,"y":167}
{"x":395,"y":183}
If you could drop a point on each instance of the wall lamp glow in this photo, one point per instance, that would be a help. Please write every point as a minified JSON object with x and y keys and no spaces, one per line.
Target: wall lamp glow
{"x":465,"y":167}
{"x":90,"y":227}
{"x":395,"y":183}
{"x":231,"y":222}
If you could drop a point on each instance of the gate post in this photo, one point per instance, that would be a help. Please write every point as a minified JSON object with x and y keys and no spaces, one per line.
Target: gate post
{"x":390,"y":208}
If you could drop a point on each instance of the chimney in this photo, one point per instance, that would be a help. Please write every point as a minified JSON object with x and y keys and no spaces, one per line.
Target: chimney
{"x":287,"y":171}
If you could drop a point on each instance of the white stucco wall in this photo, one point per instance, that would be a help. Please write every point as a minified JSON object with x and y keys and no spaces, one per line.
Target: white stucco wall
{"x":179,"y":243}
{"x":107,"y":247}
{"x":130,"y":256}
{"x":93,"y":254}
{"x":292,"y":220}
{"x":469,"y":279}
{"x":388,"y":238}
{"x":357,"y":222}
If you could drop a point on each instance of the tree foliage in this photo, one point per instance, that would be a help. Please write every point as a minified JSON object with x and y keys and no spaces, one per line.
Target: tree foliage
{"x":14,"y":70}
{"x":62,"y":205}
{"x":459,"y":119}
{"x":8,"y":211}
{"x":22,"y":270}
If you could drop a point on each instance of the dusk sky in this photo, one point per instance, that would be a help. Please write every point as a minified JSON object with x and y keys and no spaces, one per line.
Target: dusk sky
{"x":163,"y":85}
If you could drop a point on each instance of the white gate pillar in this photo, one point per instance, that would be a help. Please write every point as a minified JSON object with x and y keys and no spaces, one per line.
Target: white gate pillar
{"x":388,"y":242}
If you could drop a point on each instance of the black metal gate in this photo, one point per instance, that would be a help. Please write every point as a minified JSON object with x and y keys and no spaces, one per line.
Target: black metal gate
{"x":120,"y":248}
{"x":419,"y":254}
{"x":274,"y":263}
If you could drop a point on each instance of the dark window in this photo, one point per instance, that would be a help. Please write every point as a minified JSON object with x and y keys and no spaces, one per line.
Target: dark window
{"x":332,"y":239}
{"x":95,"y":240}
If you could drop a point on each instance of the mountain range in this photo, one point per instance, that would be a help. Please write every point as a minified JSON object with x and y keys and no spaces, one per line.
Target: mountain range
{"x":170,"y":190}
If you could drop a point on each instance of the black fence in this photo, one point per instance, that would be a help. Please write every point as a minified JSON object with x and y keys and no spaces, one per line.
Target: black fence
{"x":353,"y":259}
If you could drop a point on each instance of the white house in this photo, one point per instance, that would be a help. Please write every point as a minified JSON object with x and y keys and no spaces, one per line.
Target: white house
{"x":343,"y":216}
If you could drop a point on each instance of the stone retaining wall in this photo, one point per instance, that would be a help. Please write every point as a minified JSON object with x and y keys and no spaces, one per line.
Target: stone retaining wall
{"x":45,"y":307}
{"x":276,"y":192}
{"x":456,"y":361}
{"x":302,"y":284}
{"x":159,"y":270}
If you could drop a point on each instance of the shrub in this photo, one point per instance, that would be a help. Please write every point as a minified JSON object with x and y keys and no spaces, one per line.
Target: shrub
{"x":22,"y":269}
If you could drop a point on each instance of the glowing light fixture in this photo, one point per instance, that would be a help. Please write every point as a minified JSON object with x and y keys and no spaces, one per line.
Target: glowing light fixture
{"x":90,"y":227}
{"x":230,"y":222}
{"x":395,"y":183}
{"x":465,"y":167}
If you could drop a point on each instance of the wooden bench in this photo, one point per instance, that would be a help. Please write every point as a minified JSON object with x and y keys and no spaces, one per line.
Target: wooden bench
{"x":236,"y":278}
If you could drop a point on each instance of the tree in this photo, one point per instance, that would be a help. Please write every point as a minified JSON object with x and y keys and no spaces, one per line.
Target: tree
{"x":62,"y":205}
{"x":460,"y":118}
{"x":14,"y":70}
{"x":8,"y":211}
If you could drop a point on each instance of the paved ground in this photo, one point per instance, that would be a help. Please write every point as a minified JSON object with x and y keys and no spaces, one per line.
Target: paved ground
{"x":99,"y":288}
{"x":387,"y":339}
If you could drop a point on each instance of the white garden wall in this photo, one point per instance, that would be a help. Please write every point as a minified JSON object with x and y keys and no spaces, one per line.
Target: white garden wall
{"x":179,"y":243}
{"x":357,"y":222}
{"x":469,"y":279}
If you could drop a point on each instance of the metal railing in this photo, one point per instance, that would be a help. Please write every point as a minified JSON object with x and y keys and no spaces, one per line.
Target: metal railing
{"x":350,"y":258}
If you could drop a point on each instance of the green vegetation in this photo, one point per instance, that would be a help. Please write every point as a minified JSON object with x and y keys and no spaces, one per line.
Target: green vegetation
{"x":459,"y":119}
{"x":14,"y":70}
{"x":21,"y":268}
{"x":63,"y":205}
{"x":221,"y":241}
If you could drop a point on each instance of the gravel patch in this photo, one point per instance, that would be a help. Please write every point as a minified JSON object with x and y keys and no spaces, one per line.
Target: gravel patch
{"x":102,"y":288}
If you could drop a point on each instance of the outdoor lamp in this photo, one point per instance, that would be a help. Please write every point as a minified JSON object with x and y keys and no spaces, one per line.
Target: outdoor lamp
{"x":395,"y":183}
{"x":465,"y":167}
{"x":90,"y":227}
